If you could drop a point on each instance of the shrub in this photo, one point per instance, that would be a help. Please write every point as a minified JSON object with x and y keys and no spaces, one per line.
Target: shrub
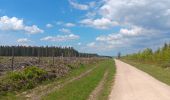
{"x":33,"y":72}
{"x":15,"y":76}
{"x":71,"y":66}
{"x":25,"y":79}
{"x":165,"y":65}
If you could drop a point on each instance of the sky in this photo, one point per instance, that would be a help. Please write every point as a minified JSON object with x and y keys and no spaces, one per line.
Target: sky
{"x":105,"y":27}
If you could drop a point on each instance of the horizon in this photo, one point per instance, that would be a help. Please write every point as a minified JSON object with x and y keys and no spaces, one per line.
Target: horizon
{"x":105,"y":27}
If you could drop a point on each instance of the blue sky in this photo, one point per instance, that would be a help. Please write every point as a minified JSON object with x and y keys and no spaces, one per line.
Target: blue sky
{"x":96,"y":26}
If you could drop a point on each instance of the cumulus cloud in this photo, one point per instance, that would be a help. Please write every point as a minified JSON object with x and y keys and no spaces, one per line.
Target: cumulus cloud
{"x":63,"y":30}
{"x":82,"y":6}
{"x":59,"y":22}
{"x":49,"y":25}
{"x":15,"y":24}
{"x":119,"y":38}
{"x":70,"y":25}
{"x":90,"y":14}
{"x":149,"y":14}
{"x":78,"y":5}
{"x":23,"y":40}
{"x":33,"y":29}
{"x":99,"y":46}
{"x":135,"y":31}
{"x":92,"y":44}
{"x":102,"y":23}
{"x":79,"y":43}
{"x":61,"y":38}
{"x":143,"y":23}
{"x":127,"y":37}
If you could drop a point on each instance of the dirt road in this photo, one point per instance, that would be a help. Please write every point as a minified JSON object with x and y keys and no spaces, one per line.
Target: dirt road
{"x":133,"y":84}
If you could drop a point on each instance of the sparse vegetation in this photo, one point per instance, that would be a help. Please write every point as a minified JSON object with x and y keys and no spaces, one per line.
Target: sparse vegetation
{"x":22,"y":80}
{"x":108,"y":82}
{"x":81,"y":89}
{"x":26,"y":78}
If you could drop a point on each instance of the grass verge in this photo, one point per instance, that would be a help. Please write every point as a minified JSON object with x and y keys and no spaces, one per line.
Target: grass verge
{"x":81,"y":89}
{"x":160,"y":73}
{"x":108,"y":82}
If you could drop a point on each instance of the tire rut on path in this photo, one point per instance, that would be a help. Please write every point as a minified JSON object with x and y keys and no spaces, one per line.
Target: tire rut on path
{"x":38,"y":92}
{"x":96,"y":92}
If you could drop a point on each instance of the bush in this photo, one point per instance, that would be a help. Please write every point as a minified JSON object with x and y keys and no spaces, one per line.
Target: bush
{"x":165,"y":65}
{"x":25,"y":79}
{"x":15,"y":76}
{"x":33,"y":72}
{"x":76,"y":65}
{"x":71,"y":66}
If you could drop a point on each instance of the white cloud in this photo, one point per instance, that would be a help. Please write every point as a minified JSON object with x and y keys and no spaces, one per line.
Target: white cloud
{"x":49,"y":25}
{"x":61,"y":38}
{"x":143,"y":23}
{"x":79,"y":6}
{"x":135,"y":31}
{"x":167,"y":12}
{"x":126,"y":37}
{"x":70,"y":25}
{"x":63,"y":30}
{"x":59,"y":22}
{"x":82,"y":6}
{"x":92,"y":44}
{"x":123,"y":36}
{"x":102,"y":23}
{"x":91,"y":14}
{"x":96,"y":46}
{"x":15,"y":24}
{"x":148,"y":14}
{"x":33,"y":29}
{"x":79,"y":43}
{"x":23,"y":40}
{"x":92,"y":4}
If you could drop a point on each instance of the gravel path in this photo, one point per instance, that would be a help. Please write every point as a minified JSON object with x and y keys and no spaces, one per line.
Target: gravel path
{"x":133,"y":84}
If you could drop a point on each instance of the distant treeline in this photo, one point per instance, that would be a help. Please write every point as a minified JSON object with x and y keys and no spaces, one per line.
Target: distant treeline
{"x":160,"y":55}
{"x":42,"y":51}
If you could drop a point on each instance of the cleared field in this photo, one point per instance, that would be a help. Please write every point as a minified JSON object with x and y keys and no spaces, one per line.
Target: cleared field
{"x":83,"y":77}
{"x":13,"y":83}
{"x":82,"y":88}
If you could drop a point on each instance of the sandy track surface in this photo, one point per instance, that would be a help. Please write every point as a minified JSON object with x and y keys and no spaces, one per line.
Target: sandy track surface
{"x":133,"y":84}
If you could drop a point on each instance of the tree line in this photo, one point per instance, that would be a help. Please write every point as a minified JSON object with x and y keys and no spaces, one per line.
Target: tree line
{"x":148,"y":55}
{"x":43,"y":51}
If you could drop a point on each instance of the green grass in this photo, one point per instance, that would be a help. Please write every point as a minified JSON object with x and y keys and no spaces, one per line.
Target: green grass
{"x":71,"y":74}
{"x":108,"y":82}
{"x":17,"y":81}
{"x":160,"y":73}
{"x":9,"y":96}
{"x":22,"y":80}
{"x":81,"y":89}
